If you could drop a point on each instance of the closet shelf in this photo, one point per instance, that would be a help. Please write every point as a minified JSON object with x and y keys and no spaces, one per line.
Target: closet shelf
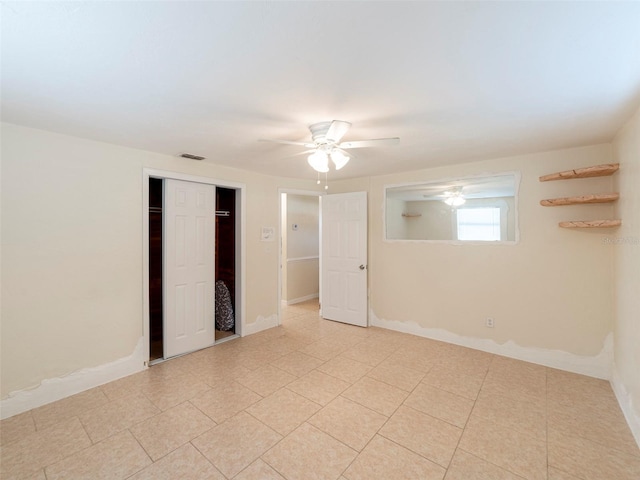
{"x":580,"y":199}
{"x":411,"y":215}
{"x":586,"y":172}
{"x":591,"y":224}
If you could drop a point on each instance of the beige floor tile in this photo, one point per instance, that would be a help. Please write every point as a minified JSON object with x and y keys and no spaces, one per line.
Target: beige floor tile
{"x":370,"y":352}
{"x":555,"y":474}
{"x":257,"y":358}
{"x":526,"y":417}
{"x":236,"y":443}
{"x":385,"y":459}
{"x":39,"y":449}
{"x":607,"y":427}
{"x":345,"y":369}
{"x":220,"y":373}
{"x":465,"y":466}
{"x":507,"y":448}
{"x":396,"y":375}
{"x":266,"y":380}
{"x":283,"y":410}
{"x":517,"y":387}
{"x":171,"y":429}
{"x":284,"y":345}
{"x":17,"y":427}
{"x":126,"y":386}
{"x":297,"y":363}
{"x":519,"y":367}
{"x":581,"y":392}
{"x":174,"y":391}
{"x":66,"y":408}
{"x":174,"y":367}
{"x":324,"y":349}
{"x":309,"y":454}
{"x":224,"y":401}
{"x":517,"y":379}
{"x":434,"y":439}
{"x":117,"y":457}
{"x":572,"y":389}
{"x":349,"y":422}
{"x":470,"y":361}
{"x":589,"y":460}
{"x":378,"y":396}
{"x":446,"y":406}
{"x":39,"y":475}
{"x":318,"y":387}
{"x":111,"y":418}
{"x":258,"y":470}
{"x":455,"y":380}
{"x":416,"y":359}
{"x":185,"y":463}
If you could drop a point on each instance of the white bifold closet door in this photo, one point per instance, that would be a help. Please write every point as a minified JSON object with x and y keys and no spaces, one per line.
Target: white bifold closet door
{"x":189,"y":268}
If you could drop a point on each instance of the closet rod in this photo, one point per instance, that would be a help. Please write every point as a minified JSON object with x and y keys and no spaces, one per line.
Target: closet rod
{"x":222,"y":213}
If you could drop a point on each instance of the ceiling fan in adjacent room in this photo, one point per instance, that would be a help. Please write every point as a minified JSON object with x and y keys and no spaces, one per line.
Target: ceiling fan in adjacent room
{"x":325,"y":145}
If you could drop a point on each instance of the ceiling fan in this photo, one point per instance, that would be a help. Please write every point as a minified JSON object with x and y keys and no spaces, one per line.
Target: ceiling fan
{"x":326,"y":145}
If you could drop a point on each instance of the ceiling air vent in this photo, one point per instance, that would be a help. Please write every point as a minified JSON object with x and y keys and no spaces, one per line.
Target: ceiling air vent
{"x":191,"y":156}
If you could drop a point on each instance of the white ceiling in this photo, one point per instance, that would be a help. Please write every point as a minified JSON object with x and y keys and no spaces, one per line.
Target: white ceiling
{"x":456,"y":81}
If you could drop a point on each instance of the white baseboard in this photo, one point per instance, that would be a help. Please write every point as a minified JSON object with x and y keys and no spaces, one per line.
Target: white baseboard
{"x":626,"y":404}
{"x":302,"y":299}
{"x":53,"y":389}
{"x":598,"y":366}
{"x":261,"y":323}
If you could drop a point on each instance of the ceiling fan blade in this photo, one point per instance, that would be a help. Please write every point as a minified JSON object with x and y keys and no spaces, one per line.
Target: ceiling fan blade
{"x":348,"y":154}
{"x":303,"y":153}
{"x":336,"y":131}
{"x":377,"y":142}
{"x":288,"y":142}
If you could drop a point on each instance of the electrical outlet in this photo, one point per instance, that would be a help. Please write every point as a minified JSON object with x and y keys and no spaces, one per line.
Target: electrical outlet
{"x":489,"y":322}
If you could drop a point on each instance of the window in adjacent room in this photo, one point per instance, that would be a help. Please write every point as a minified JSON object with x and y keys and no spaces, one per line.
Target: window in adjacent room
{"x":480,"y":223}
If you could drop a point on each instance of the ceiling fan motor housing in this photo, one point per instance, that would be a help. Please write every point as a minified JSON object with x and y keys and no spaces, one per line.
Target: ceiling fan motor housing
{"x":319,"y":132}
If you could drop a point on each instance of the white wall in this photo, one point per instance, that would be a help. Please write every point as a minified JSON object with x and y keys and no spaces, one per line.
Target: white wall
{"x":72,"y":259}
{"x":625,"y":245}
{"x":551,"y":295}
{"x":72,"y":251}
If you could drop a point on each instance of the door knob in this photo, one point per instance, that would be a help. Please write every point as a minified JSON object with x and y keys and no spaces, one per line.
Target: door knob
{"x":362,"y":267}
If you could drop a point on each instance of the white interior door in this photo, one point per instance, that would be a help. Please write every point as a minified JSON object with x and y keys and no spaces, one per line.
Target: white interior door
{"x":189,"y":268}
{"x":344,"y":258}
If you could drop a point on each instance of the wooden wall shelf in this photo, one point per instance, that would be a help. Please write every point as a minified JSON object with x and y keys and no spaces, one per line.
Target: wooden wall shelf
{"x":594,"y":171}
{"x":581,"y":199}
{"x":591,"y":224}
{"x":586,"y":172}
{"x":411,"y":215}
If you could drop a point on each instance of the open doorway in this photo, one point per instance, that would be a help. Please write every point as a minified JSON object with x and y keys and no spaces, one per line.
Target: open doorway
{"x":300,"y":248}
{"x":225,"y":291}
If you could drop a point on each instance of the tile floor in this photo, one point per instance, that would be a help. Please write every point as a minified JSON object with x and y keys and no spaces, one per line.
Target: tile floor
{"x":315,"y":399}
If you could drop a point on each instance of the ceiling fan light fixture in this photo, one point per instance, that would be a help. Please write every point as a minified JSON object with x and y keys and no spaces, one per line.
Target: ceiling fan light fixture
{"x":455,"y":200}
{"x":339,"y":159}
{"x":319,"y":161}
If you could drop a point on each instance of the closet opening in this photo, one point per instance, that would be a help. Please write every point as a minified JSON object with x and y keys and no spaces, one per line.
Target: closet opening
{"x":155,"y":268}
{"x":170,"y":241}
{"x":225,"y":262}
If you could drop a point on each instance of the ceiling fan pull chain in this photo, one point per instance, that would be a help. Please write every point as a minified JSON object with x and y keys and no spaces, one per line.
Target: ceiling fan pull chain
{"x":326,"y":186}
{"x":318,"y":182}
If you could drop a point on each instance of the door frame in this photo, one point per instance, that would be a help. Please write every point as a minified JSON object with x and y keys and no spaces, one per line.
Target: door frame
{"x":240,"y":244}
{"x":309,"y":193}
